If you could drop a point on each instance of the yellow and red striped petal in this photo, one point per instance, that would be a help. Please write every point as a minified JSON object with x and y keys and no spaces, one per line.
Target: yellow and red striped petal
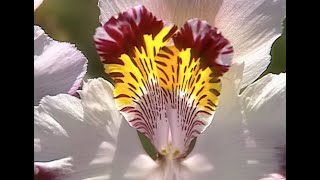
{"x":127,"y":46}
{"x":206,"y":43}
{"x":169,"y":92}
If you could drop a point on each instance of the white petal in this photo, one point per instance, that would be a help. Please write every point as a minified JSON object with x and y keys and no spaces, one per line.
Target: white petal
{"x":58,"y":66}
{"x":110,"y":8}
{"x":128,"y":155}
{"x":197,"y":163}
{"x":131,"y":162}
{"x":222,"y":143}
{"x":56,"y":170}
{"x":141,"y":167}
{"x":274,"y":177}
{"x":252,"y":26}
{"x":177,"y":11}
{"x":264,"y":110}
{"x":97,"y":99}
{"x":180,"y":11}
{"x":37,"y":146}
{"x":63,"y":129}
{"x":37,"y":3}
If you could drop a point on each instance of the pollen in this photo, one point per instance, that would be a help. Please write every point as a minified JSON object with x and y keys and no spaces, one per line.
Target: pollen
{"x":176,"y":153}
{"x":164,"y":152}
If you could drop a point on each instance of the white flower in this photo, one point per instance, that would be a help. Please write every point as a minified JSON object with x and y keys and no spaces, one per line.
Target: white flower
{"x":37,"y":3}
{"x":169,"y":92}
{"x":76,"y":137}
{"x":250,"y":25}
{"x":86,"y":132}
{"x":274,"y":177}
{"x":58,"y":66}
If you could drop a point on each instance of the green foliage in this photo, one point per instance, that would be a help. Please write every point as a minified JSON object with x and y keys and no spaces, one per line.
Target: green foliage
{"x":278,"y":54}
{"x":73,"y":21}
{"x":148,"y":146}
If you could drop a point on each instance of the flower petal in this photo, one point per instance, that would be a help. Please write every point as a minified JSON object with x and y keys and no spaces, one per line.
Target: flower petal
{"x":58,"y":66}
{"x":180,"y":11}
{"x":274,"y":177}
{"x":37,"y":3}
{"x":222,"y":143}
{"x":109,"y":8}
{"x":163,"y":90}
{"x":264,"y":112}
{"x":141,"y":167}
{"x":125,"y":33}
{"x":194,"y":166}
{"x":97,"y":99}
{"x":251,"y":26}
{"x":64,"y":129}
{"x":177,"y":11}
{"x":129,"y":155}
{"x":190,"y":76}
{"x":126,"y":55}
{"x":225,"y":142}
{"x":130,"y":161}
{"x":55,"y":170}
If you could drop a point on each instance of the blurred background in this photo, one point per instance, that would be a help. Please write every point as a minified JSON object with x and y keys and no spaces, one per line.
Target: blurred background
{"x":75,"y":21}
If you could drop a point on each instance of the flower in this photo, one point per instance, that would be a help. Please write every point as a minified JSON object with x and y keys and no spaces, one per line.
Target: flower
{"x":37,"y":3}
{"x":88,"y":138}
{"x":274,"y":177}
{"x":76,"y":138}
{"x":58,"y":66}
{"x":239,"y":144}
{"x":251,"y":26}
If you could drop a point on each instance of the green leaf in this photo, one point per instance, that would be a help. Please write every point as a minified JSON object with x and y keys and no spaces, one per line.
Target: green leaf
{"x":278,"y":54}
{"x":148,"y":146}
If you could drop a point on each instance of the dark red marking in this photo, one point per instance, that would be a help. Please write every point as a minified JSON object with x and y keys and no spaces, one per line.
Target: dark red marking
{"x":122,"y":96}
{"x":161,"y":63}
{"x":215,"y":92}
{"x":118,"y":81}
{"x":203,"y":96}
{"x":163,"y":56}
{"x":135,"y":119}
{"x":134,"y":77}
{"x":167,"y":50}
{"x":127,"y":30}
{"x":205,"y":43}
{"x":209,"y":108}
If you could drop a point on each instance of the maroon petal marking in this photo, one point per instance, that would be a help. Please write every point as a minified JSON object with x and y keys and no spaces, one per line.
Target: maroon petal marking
{"x":42,"y":173}
{"x":125,"y":32}
{"x":53,"y":170}
{"x":206,"y":43}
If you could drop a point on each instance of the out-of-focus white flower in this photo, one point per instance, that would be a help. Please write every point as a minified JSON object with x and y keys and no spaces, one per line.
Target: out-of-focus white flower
{"x":274,"y":177}
{"x":37,"y":3}
{"x":58,"y":66}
